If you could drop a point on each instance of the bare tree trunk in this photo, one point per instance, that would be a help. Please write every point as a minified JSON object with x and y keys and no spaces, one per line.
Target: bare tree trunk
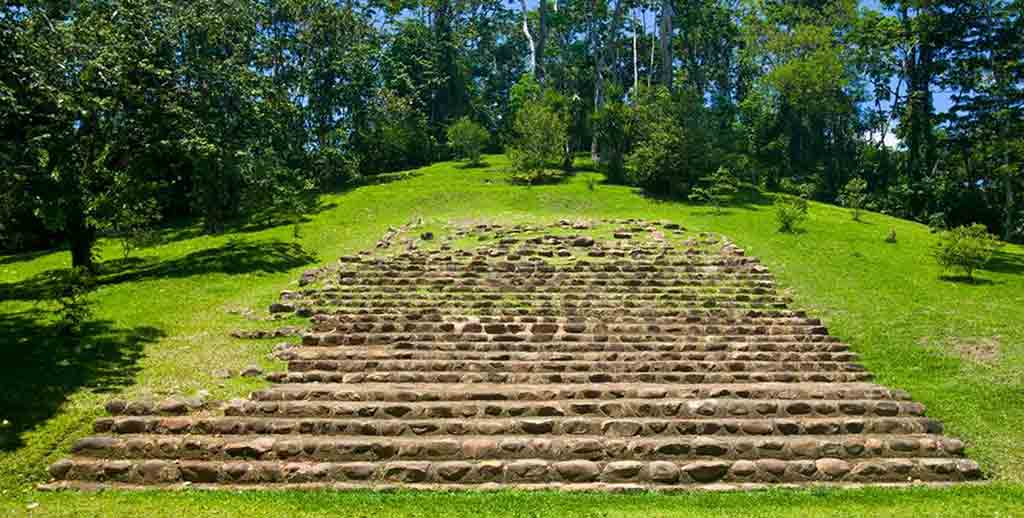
{"x":636,"y":62}
{"x":542,"y":38}
{"x":1008,"y":208}
{"x":666,"y":43}
{"x":600,"y":49}
{"x":529,"y":37}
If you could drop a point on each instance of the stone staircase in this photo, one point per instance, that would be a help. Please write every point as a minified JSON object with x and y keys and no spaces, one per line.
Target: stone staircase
{"x":543,"y":358}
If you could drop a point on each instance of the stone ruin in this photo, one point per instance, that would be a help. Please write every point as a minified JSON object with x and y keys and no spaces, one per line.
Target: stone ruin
{"x":578,"y":355}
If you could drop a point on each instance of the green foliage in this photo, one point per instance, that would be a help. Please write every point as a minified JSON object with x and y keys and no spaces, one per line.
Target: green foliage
{"x":790,"y":212}
{"x":74,"y":307}
{"x":966,"y":248}
{"x":468,"y":139}
{"x":670,"y":150}
{"x":854,"y":196}
{"x":716,"y":189}
{"x":612,"y":127}
{"x":540,"y":137}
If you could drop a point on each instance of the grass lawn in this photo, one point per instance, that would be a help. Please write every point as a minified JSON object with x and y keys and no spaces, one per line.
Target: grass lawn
{"x":162,"y":318}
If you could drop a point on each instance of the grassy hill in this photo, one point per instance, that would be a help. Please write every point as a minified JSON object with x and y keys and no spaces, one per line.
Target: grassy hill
{"x":163,"y":316}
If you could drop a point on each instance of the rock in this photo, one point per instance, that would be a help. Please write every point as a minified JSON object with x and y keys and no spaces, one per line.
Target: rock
{"x":252,"y":371}
{"x":583,"y":241}
{"x":622,"y":471}
{"x":664,"y":472}
{"x":427,"y":236}
{"x":706,"y":471}
{"x":172,"y":406}
{"x":578,"y":470}
{"x":619,"y":234}
{"x":281,"y":307}
{"x":222,"y":374}
{"x":833,"y":468}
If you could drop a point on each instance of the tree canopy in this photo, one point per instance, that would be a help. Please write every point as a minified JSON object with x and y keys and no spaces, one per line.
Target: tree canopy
{"x":118,"y":114}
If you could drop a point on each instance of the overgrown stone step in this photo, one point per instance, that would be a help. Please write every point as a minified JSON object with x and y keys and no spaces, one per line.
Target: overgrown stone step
{"x":330,"y":339}
{"x":523,"y":290}
{"x":603,"y":347}
{"x":625,"y":427}
{"x":565,"y":377}
{"x":447,"y":305}
{"x":567,"y":366}
{"x":552,"y":283}
{"x":407,"y":473}
{"x":682,"y":408}
{"x":467,"y":447}
{"x":388,"y":353}
{"x":498,"y":392}
{"x":768,"y":327}
{"x":705,"y":316}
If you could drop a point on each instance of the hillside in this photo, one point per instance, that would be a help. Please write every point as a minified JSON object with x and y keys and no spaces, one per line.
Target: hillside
{"x":164,"y":314}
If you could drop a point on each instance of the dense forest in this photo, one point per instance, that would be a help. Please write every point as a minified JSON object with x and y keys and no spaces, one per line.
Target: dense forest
{"x":119,"y":115}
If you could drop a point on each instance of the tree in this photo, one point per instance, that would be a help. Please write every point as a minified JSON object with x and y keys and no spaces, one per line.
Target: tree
{"x":717,"y":189}
{"x":854,"y":196}
{"x":468,"y":139}
{"x":966,"y":248}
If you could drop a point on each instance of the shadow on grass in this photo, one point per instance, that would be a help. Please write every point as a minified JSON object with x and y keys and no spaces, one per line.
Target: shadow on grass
{"x":27,"y":256}
{"x":968,"y":281}
{"x":1003,"y":262}
{"x":234,"y":257}
{"x":746,"y":197}
{"x":467,"y":165}
{"x":42,"y":370}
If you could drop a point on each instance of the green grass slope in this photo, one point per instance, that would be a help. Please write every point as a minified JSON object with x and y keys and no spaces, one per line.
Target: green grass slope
{"x":163,"y":316}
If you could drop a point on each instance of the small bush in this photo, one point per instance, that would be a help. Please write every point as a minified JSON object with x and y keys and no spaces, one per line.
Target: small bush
{"x":468,"y":140}
{"x":537,"y":150}
{"x":854,"y":197}
{"x":72,"y":295}
{"x":966,"y":248}
{"x":790,"y":211}
{"x":716,"y":190}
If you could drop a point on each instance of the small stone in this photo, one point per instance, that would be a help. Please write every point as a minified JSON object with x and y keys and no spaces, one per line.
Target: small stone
{"x":706,"y":471}
{"x":578,"y":470}
{"x":252,"y":371}
{"x":833,"y":468}
{"x":281,"y":307}
{"x":743,"y":468}
{"x":427,"y":236}
{"x":583,"y":241}
{"x":664,"y":472}
{"x":622,"y":235}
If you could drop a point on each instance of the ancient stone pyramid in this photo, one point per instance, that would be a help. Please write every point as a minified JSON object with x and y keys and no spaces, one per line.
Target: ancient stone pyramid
{"x":573,"y":356}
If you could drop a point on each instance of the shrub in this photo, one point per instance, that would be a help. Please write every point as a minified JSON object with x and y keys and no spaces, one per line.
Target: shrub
{"x":718,"y":188}
{"x":611,"y":127}
{"x":538,"y":145}
{"x":468,"y":139}
{"x":966,"y":248}
{"x":72,"y":295}
{"x":790,"y":211}
{"x":854,"y":196}
{"x":670,"y":147}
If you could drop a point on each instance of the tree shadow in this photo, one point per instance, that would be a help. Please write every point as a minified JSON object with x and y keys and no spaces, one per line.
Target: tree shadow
{"x":968,"y":281}
{"x":746,"y":197}
{"x":1004,"y":262}
{"x":254,"y":222}
{"x":234,"y":257}
{"x":28,"y":256}
{"x":468,"y":165}
{"x":41,"y":370}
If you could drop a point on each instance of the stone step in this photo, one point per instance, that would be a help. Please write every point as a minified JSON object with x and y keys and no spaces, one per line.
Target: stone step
{"x":388,"y":353}
{"x":471,"y":366}
{"x":628,"y":427}
{"x":599,"y":347}
{"x":298,"y":448}
{"x":563,"y":377}
{"x":334,"y":339}
{"x":622,"y":408}
{"x":574,"y":328}
{"x":706,"y":317}
{"x":501,"y":392}
{"x":411,"y":473}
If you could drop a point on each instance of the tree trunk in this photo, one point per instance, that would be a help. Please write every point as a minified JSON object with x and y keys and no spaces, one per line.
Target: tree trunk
{"x":1008,"y":209}
{"x":542,"y":38}
{"x":529,"y":38}
{"x":666,"y":44}
{"x":81,"y":238}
